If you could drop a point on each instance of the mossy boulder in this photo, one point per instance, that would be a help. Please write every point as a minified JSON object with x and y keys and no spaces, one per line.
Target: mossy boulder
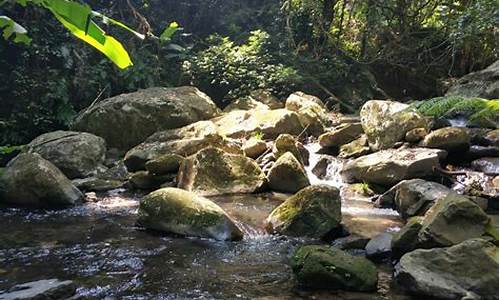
{"x":324,"y":267}
{"x":311,"y":112}
{"x":451,"y":139}
{"x":312,"y":212}
{"x":406,"y":239}
{"x":287,"y":143}
{"x":416,"y":135}
{"x":287,"y":174}
{"x":386,"y":122}
{"x":30,"y":180}
{"x":76,"y":154}
{"x":212,"y":171}
{"x":165,"y":164}
{"x":340,"y":135}
{"x":126,"y":120}
{"x":482,"y":84}
{"x":181,"y":212}
{"x":355,"y":149}
{"x":269,"y":123}
{"x":389,"y":167}
{"x":452,"y":220}
{"x":183,"y":141}
{"x":468,"y":270}
{"x":144,"y":180}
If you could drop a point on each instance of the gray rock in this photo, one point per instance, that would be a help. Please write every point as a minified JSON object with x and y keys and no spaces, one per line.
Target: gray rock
{"x":30,"y":180}
{"x":341,"y":135}
{"x":406,"y":239}
{"x":379,"y":247}
{"x":287,"y":175}
{"x":311,"y":111}
{"x":488,"y":165}
{"x":76,"y":154}
{"x":481,"y":84}
{"x":356,"y":148}
{"x":389,"y":167}
{"x":47,"y":289}
{"x":126,"y":120}
{"x":468,"y":270}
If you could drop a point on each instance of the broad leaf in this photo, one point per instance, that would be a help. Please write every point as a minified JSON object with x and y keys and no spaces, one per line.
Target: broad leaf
{"x":169,"y":31}
{"x":9,"y":28}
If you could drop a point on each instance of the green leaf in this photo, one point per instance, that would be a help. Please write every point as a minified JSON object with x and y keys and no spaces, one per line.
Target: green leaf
{"x":171,"y":29}
{"x":108,"y":20}
{"x":9,"y":28}
{"x":77,"y":19}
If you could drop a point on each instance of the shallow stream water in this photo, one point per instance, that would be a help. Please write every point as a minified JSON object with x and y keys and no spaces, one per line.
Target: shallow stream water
{"x":99,"y":247}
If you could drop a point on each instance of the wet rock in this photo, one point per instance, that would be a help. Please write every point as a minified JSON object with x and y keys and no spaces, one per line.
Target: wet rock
{"x":245,"y":103}
{"x":413,"y":197}
{"x":312,"y":212}
{"x":491,"y":138}
{"x":287,"y":175}
{"x":452,"y":220}
{"x":385,"y":122}
{"x":269,"y":123}
{"x":483,"y":136}
{"x":181,"y":212}
{"x":488,"y":165}
{"x":183,"y":141}
{"x":406,"y":239}
{"x":389,"y":167}
{"x":321,"y":167}
{"x":212,"y":171}
{"x":128,"y":119}
{"x":341,"y":135}
{"x":144,"y":180}
{"x":325,"y":267}
{"x":165,"y":164}
{"x":476,"y":152}
{"x":311,"y":112}
{"x":95,"y":184}
{"x":468,"y":270}
{"x":481,"y":84}
{"x":379,"y":247}
{"x":451,"y":139}
{"x":76,"y":154}
{"x":30,"y":180}
{"x":254,"y":148}
{"x":355,"y":149}
{"x":351,"y":242}
{"x":46,"y":289}
{"x":416,"y":135}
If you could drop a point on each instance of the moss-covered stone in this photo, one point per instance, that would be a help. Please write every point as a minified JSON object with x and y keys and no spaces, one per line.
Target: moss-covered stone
{"x":405,"y":240}
{"x":451,"y":139}
{"x":254,"y":147}
{"x":356,"y":148}
{"x":144,"y":180}
{"x":287,"y":143}
{"x":312,"y":212}
{"x":287,"y":175}
{"x":311,"y":112}
{"x":165,"y":164}
{"x":343,"y":134}
{"x":326,"y":267}
{"x":212,"y":171}
{"x":181,"y":212}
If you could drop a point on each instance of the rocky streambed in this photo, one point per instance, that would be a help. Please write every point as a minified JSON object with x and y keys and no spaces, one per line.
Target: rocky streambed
{"x":261,"y":201}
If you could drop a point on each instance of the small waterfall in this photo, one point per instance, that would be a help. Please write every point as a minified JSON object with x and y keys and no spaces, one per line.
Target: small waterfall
{"x":332,"y":176}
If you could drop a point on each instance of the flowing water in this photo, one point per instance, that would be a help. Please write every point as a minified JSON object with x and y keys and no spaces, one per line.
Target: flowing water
{"x":99,"y":247}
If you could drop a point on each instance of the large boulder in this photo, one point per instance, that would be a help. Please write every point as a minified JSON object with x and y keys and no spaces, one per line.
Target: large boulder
{"x":269,"y":123}
{"x":413,"y":197}
{"x":341,"y":135}
{"x":451,"y":139}
{"x":468,"y":270}
{"x":212,"y":171}
{"x":386,"y":122}
{"x":312,"y":212}
{"x":379,"y":247}
{"x":128,"y":119}
{"x":287,"y":174}
{"x":452,"y":220}
{"x":355,"y":149}
{"x":267,"y":98}
{"x":76,"y":154}
{"x":183,"y":141}
{"x":311,"y":111}
{"x":327,"y":267}
{"x":406,"y":239}
{"x":181,"y":212}
{"x":245,"y":103}
{"x":287,"y":143}
{"x":30,"y":180}
{"x":389,"y":167}
{"x":481,"y":84}
{"x":254,"y":147}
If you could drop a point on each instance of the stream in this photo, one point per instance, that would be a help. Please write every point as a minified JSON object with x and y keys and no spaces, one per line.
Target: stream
{"x":98,"y":246}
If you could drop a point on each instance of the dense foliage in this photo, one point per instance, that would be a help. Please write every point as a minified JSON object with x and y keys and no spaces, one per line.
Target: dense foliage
{"x":346,"y":51}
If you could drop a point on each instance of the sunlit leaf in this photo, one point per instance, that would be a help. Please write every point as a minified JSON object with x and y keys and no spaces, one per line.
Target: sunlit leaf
{"x":11,"y":28}
{"x":77,"y":19}
{"x":170,"y":31}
